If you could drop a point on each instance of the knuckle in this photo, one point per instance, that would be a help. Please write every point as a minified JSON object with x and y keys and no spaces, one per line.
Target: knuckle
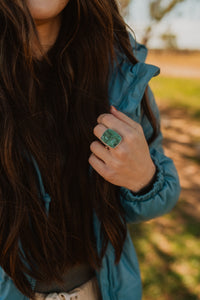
{"x":132,"y":136}
{"x":115,"y":164}
{"x":121,"y":152}
{"x":106,"y":118}
{"x":92,"y":146}
{"x":90,"y":159}
{"x":129,"y":134}
{"x":95,"y":129}
{"x":100,"y":117}
{"x":139,"y":127}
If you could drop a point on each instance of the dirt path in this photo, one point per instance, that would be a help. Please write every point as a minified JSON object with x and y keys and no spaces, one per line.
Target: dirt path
{"x":181,"y":132}
{"x":176,"y":64}
{"x":174,"y":242}
{"x":182,"y":144}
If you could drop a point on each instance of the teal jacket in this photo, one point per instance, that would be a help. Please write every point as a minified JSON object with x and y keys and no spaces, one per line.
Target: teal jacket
{"x":127,"y":84}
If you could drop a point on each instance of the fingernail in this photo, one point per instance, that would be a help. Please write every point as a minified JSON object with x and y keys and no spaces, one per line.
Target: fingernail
{"x":113,"y":108}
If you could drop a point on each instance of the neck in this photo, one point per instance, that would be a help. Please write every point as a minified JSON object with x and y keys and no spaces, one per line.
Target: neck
{"x":47,"y":31}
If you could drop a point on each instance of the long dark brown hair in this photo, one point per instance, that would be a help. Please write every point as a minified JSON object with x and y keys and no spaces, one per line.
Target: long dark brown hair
{"x":48,"y":109}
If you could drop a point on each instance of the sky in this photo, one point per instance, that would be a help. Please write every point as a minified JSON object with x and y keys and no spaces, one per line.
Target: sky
{"x":184,"y":21}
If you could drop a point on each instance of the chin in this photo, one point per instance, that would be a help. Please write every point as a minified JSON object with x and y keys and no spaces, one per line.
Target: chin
{"x":46,"y":9}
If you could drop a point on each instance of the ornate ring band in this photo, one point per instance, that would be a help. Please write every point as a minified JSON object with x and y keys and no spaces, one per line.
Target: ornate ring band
{"x":111,"y":138}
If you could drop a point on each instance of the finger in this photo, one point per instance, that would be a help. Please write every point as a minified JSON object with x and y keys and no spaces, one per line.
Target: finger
{"x":100,"y":151}
{"x":98,"y":165}
{"x":123,"y":117}
{"x":110,"y":121}
{"x":99,"y":130}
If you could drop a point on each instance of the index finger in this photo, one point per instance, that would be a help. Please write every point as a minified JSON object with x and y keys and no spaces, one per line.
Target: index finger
{"x":112,"y":122}
{"x":122,"y":116}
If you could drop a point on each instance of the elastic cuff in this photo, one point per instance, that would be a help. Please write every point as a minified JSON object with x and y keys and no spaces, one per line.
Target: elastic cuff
{"x":148,"y":187}
{"x":157,"y":185}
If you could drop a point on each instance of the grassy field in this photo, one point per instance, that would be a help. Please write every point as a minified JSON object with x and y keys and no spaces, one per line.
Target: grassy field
{"x":184,"y":64}
{"x":168,"y":251}
{"x":169,"y":247}
{"x":181,"y":92}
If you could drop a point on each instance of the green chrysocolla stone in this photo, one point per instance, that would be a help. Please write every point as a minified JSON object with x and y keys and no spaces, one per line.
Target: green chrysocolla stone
{"x":111,"y":138}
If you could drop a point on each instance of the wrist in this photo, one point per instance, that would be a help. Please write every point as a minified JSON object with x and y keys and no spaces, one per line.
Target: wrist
{"x":147,"y":185}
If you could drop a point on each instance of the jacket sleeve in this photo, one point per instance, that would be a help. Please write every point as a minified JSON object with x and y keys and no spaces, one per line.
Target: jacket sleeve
{"x":126,"y":89}
{"x":166,"y":188}
{"x":8,"y":290}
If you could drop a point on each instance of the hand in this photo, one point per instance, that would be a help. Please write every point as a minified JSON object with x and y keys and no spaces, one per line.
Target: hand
{"x":129,"y":164}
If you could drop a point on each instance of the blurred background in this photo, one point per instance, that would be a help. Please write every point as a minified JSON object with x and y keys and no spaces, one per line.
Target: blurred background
{"x":169,"y":247}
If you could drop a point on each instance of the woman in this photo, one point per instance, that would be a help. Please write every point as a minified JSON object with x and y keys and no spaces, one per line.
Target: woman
{"x":69,"y":184}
